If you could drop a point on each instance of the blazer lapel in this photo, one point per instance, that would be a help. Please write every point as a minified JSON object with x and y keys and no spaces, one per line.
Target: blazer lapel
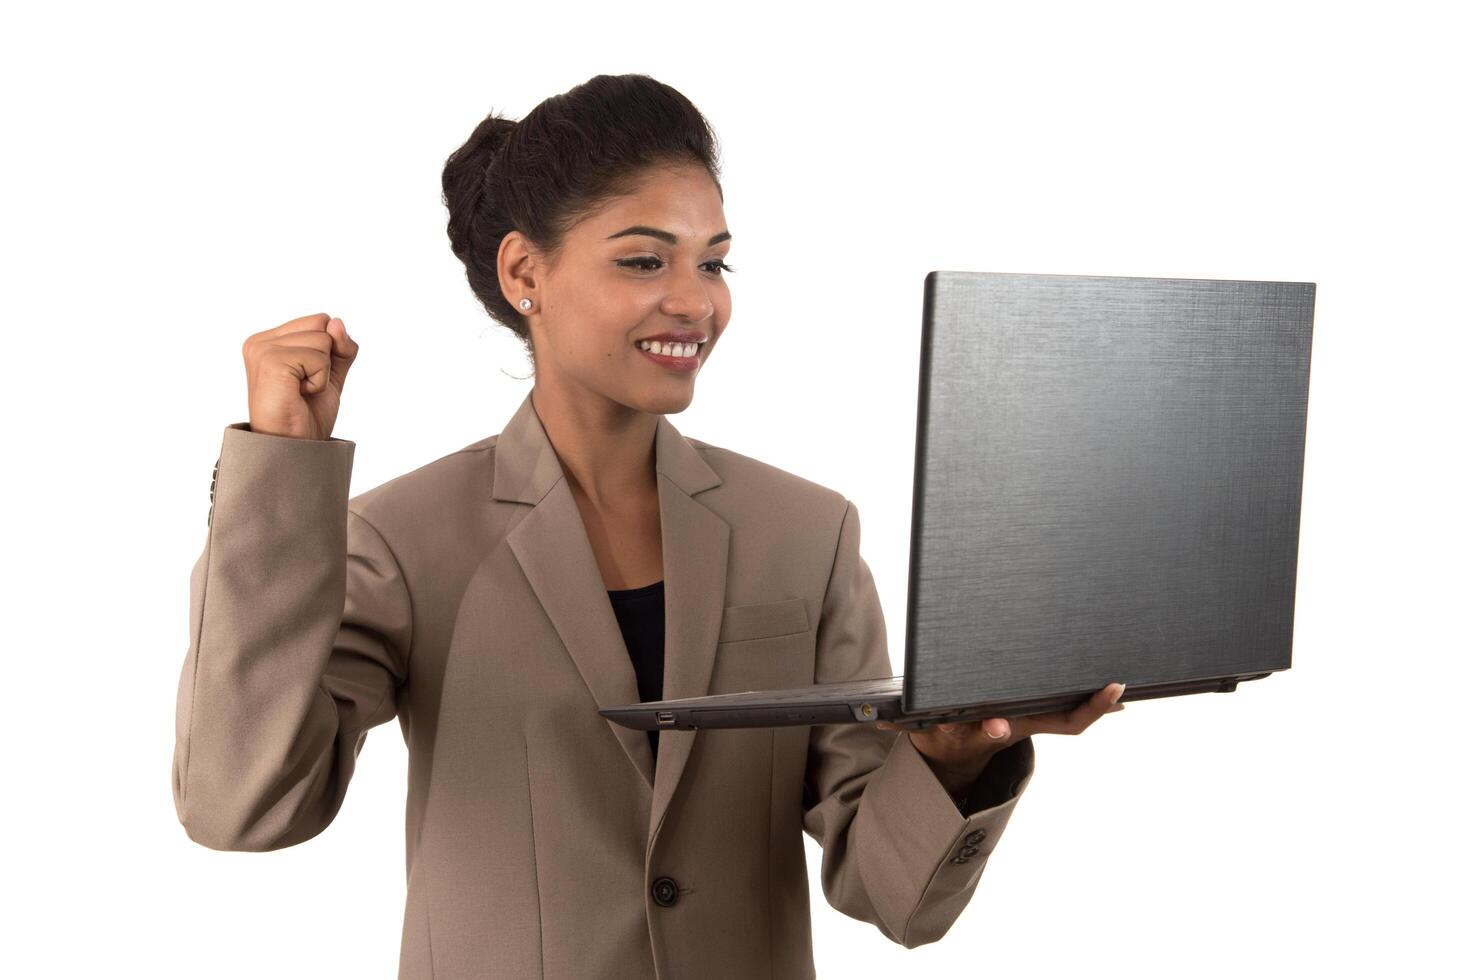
{"x":553,"y":550}
{"x":695,"y":561}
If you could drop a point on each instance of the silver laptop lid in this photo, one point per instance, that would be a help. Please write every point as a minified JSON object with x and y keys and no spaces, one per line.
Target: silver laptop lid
{"x":1107,"y":482}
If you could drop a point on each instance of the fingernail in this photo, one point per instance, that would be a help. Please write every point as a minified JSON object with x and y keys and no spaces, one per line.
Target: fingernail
{"x":1119,"y":693}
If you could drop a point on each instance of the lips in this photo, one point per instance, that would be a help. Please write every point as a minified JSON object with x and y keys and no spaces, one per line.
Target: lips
{"x":678,"y":364}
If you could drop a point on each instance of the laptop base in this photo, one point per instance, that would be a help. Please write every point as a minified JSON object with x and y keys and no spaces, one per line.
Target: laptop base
{"x":867,"y":701}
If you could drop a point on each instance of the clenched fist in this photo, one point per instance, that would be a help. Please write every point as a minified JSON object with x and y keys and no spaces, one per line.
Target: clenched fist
{"x":295,"y":373}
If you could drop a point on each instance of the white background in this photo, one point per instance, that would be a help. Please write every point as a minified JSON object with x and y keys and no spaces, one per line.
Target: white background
{"x":178,"y":177}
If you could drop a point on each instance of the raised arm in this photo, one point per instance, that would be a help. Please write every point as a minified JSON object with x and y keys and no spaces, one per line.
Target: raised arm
{"x":300,"y":630}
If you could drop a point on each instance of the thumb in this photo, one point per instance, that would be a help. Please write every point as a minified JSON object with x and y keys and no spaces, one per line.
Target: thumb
{"x":343,"y":349}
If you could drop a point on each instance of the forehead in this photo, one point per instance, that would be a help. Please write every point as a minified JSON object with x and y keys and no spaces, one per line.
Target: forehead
{"x":683,"y":200}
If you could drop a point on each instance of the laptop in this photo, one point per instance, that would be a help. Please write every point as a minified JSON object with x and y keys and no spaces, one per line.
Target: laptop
{"x":1106,"y":488}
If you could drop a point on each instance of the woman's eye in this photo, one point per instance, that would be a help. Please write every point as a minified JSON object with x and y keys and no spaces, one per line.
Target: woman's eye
{"x":651,"y":264}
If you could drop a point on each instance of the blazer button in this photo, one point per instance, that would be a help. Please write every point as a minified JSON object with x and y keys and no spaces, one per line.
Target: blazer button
{"x":665,"y":892}
{"x":976,"y":836}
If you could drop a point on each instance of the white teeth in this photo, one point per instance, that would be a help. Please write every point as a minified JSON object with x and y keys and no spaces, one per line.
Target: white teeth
{"x":669,"y":349}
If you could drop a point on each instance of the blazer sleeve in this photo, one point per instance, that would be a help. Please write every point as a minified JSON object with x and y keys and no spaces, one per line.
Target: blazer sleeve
{"x":299,"y":633}
{"x":896,"y":850}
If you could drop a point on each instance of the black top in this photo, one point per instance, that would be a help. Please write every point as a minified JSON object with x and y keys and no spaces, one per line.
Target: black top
{"x":640,"y":614}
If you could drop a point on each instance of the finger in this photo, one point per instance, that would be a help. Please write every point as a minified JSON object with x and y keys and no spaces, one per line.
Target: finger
{"x":314,"y":321}
{"x":1071,"y":722}
{"x":270,"y":356}
{"x":996,"y":728}
{"x":990,"y":729}
{"x":315,"y":339}
{"x":1084,"y":715}
{"x":296,"y":366}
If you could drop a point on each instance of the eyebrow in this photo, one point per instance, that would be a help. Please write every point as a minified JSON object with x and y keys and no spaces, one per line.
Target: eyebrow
{"x":666,"y":236}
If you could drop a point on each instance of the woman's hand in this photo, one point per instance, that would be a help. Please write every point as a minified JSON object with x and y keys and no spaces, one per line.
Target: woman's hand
{"x":295,"y":374}
{"x":958,"y":751}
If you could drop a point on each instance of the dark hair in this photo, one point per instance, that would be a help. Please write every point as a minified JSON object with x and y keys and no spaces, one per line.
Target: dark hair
{"x":557,"y":165}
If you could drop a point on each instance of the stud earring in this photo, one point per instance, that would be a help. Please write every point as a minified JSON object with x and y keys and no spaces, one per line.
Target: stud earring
{"x":525,"y":303}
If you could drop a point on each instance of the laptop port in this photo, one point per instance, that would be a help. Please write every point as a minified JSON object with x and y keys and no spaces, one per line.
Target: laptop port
{"x":665,"y":718}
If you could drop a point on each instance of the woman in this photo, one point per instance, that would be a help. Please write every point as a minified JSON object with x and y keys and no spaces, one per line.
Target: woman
{"x":493,"y":598}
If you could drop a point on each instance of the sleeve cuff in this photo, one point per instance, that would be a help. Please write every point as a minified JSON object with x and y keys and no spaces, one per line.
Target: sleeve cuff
{"x":1002,"y":779}
{"x":237,"y":427}
{"x":921,"y":858}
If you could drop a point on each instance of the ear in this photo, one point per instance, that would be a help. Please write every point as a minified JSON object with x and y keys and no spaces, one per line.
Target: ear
{"x":519,"y":266}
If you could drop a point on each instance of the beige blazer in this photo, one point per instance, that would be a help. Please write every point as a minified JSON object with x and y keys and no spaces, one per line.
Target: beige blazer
{"x":463,"y":599}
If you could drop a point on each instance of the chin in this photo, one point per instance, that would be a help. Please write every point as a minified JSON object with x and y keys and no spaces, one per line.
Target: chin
{"x":666,"y":403}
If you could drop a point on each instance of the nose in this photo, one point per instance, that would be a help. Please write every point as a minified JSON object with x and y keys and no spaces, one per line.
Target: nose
{"x":688,"y":298}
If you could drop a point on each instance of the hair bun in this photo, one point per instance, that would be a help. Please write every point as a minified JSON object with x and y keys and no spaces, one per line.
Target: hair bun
{"x":469,"y":176}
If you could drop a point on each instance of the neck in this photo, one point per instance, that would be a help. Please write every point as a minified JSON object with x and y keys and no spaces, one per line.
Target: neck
{"x":606,"y":449}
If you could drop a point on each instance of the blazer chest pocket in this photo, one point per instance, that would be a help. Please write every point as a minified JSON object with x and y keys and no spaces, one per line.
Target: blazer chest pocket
{"x":763,"y":620}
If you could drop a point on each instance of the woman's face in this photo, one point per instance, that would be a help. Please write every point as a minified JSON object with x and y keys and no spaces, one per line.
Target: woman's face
{"x":646,"y":264}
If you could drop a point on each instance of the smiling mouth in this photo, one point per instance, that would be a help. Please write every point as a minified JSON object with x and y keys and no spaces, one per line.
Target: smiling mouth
{"x":685,"y":365}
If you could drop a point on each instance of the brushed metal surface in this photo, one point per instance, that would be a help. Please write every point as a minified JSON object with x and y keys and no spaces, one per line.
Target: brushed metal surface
{"x":1107,"y":483}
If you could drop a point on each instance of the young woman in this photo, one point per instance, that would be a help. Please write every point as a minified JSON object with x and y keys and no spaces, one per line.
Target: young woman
{"x":588,"y":554}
